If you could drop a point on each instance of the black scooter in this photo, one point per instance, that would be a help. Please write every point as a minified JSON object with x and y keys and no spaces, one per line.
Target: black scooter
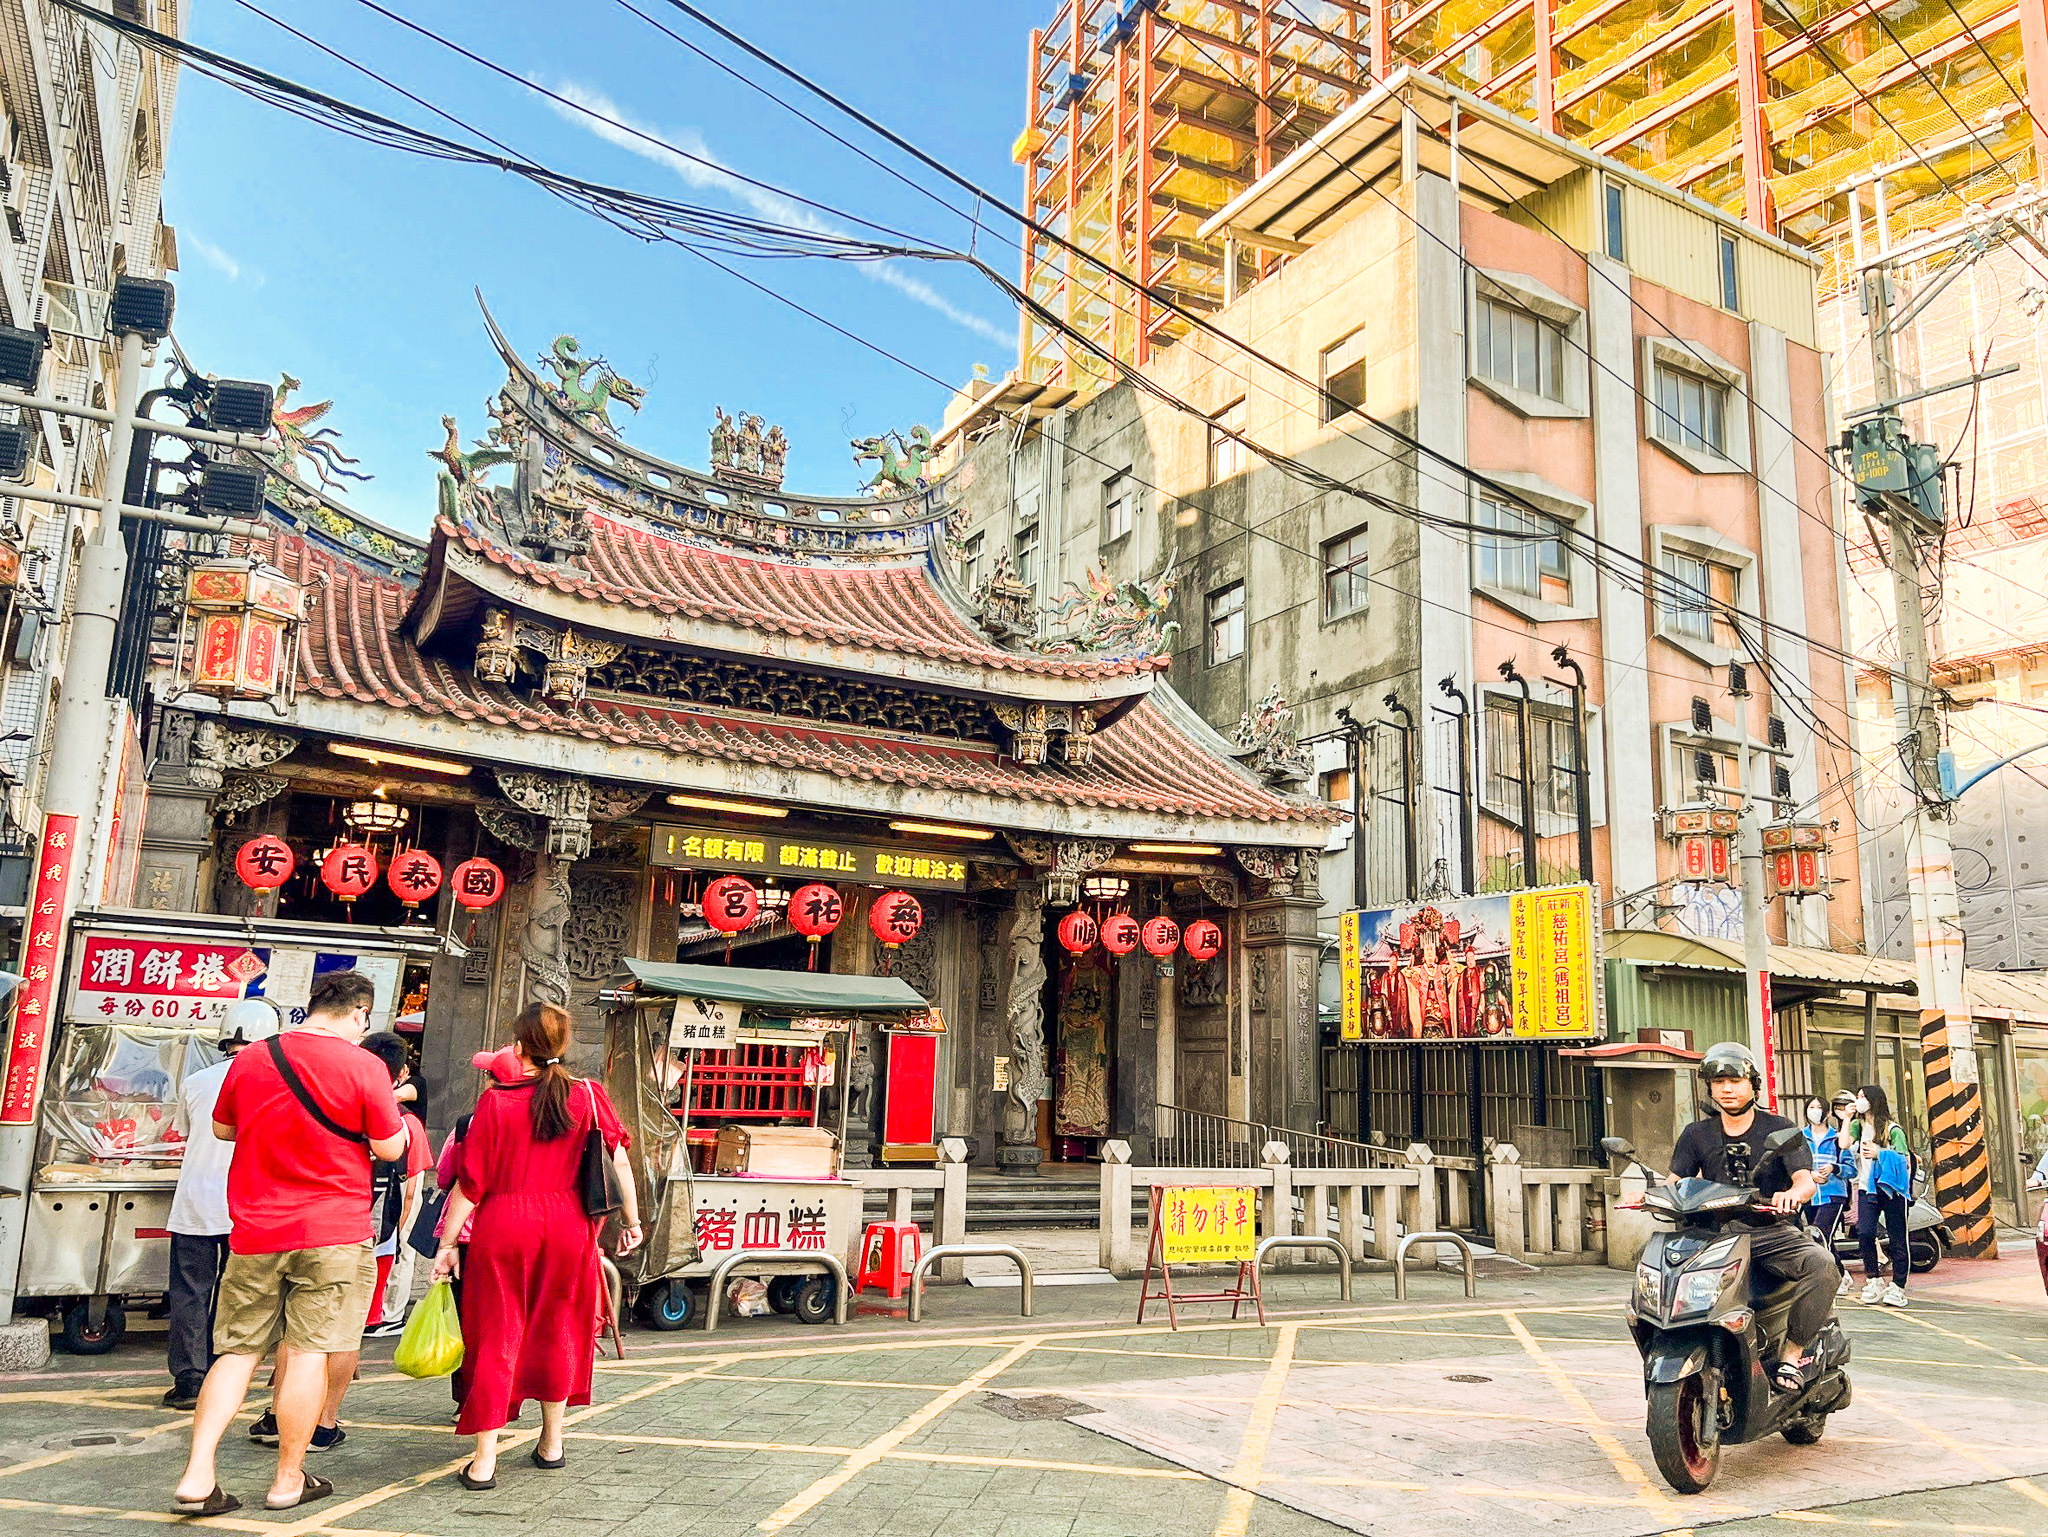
{"x":1708,"y":1342}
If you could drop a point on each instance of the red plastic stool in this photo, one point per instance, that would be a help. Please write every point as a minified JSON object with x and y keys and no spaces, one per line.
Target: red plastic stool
{"x":889,"y":1251}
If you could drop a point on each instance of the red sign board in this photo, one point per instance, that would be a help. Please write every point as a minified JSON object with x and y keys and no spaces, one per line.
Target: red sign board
{"x":910,"y":1110}
{"x":38,"y":991}
{"x":166,"y":981}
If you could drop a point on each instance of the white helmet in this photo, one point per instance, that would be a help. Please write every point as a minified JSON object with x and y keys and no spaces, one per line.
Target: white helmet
{"x":249,"y":1021}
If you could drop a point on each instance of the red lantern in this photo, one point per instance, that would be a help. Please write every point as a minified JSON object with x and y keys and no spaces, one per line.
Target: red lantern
{"x":348,"y":871}
{"x":895,"y":918}
{"x":1161,"y":936}
{"x":477,"y":883}
{"x":814,"y":912}
{"x":265,"y":863}
{"x":413,"y":877}
{"x":1203,"y":939}
{"x":1077,"y":932}
{"x":1119,"y":933}
{"x":731,"y":903}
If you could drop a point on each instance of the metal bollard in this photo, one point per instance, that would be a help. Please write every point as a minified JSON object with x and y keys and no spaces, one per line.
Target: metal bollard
{"x":1283,"y":1241}
{"x":1401,"y":1262}
{"x":798,"y":1261}
{"x":966,"y":1251}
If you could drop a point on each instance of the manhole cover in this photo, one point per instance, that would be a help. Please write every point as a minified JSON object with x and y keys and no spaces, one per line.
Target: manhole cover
{"x":1040,"y":1406}
{"x":1466,"y":1377}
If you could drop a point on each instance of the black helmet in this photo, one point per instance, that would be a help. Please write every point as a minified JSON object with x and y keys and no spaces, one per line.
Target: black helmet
{"x":1731,"y":1059}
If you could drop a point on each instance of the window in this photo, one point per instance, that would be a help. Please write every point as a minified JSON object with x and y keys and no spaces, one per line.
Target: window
{"x":1345,"y":588}
{"x":1337,"y":787}
{"x":1226,"y":623}
{"x":970,"y":566}
{"x":1699,"y":595}
{"x":1692,"y":411}
{"x":1025,"y":555}
{"x":1731,"y":292}
{"x":1517,"y":349}
{"x":1553,"y":751}
{"x":1119,"y":505}
{"x":1617,"y":239}
{"x":1226,"y":454}
{"x":1344,"y":376}
{"x":1533,"y":567}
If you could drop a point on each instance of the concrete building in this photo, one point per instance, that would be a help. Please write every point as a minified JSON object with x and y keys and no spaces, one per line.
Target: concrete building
{"x":85,"y":119}
{"x":1618,"y":362}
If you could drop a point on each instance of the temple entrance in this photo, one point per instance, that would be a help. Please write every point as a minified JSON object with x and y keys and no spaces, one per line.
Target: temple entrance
{"x":1083,"y":1040}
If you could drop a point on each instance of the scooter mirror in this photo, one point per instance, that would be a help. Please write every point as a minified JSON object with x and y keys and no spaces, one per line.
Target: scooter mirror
{"x":1778,"y":1141}
{"x":1620,"y":1147}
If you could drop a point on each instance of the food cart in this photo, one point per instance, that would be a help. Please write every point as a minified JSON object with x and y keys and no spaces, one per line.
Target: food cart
{"x":140,"y":1009}
{"x":696,"y":1053}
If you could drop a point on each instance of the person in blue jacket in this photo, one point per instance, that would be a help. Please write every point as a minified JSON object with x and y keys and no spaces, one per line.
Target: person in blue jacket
{"x":1884,"y":1189}
{"x":1827,"y":1134}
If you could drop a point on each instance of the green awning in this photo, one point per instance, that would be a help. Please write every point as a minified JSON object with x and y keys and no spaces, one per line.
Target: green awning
{"x":790,"y":994}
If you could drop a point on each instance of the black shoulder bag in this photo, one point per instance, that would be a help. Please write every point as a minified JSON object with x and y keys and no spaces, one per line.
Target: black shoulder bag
{"x":597,"y":1177}
{"x":304,"y":1096}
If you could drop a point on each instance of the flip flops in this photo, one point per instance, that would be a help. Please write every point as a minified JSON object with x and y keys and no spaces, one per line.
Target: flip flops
{"x":218,"y":1503}
{"x":314,"y":1488}
{"x":1791,"y":1376}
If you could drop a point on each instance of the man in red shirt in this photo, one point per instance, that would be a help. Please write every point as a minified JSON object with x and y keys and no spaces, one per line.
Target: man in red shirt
{"x":306,"y":1111}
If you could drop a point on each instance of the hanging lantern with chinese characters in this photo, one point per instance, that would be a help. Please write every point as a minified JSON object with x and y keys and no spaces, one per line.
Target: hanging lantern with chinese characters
{"x":895,"y":918}
{"x":1161,"y":937}
{"x":1795,"y":859}
{"x":1203,"y":940}
{"x":1077,"y":932}
{"x":1119,"y":933}
{"x":413,"y":877}
{"x":348,"y":871}
{"x":814,"y":912}
{"x":477,"y":883}
{"x":731,"y":903}
{"x":240,"y":632}
{"x":265,"y":863}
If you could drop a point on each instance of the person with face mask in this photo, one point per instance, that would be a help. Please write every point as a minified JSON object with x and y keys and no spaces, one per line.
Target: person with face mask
{"x":1884,"y":1189}
{"x":1824,"y":1139}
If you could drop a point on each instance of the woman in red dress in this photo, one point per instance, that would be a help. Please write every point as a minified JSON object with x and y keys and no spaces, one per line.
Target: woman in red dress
{"x":530,"y":1278}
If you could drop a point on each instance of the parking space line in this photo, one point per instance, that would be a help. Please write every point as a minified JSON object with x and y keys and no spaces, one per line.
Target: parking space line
{"x":69,"y":1452}
{"x":2026,"y":1488}
{"x":1625,"y":1464}
{"x":867,"y":1456}
{"x":1913,"y":1318}
{"x":829,"y":1382}
{"x":1258,"y":1433}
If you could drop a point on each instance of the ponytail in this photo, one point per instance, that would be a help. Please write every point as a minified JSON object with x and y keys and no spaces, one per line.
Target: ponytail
{"x":542,"y":1032}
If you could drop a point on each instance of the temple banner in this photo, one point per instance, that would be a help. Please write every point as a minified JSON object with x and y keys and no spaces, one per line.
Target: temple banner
{"x":1520,"y":966}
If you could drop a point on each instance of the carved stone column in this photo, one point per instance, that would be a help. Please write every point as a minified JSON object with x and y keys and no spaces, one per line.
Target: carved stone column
{"x":1283,"y":1057}
{"x":1018,"y":1153}
{"x":204,"y":769}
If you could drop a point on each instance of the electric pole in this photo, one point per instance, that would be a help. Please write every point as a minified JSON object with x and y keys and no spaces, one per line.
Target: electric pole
{"x":1756,"y":947}
{"x":1901,"y":482}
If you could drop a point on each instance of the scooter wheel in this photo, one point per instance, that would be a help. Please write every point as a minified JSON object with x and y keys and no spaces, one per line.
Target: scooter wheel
{"x":1806,"y":1432}
{"x":1684,"y":1433}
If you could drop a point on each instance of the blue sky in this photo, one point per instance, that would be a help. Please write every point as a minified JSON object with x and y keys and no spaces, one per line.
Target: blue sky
{"x":352,"y":267}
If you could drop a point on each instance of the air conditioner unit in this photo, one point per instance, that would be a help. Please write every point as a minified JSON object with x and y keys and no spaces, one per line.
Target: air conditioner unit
{"x":42,"y":321}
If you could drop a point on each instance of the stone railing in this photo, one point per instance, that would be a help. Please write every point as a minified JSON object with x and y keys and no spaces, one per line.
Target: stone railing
{"x":1387,"y":1200}
{"x":1539,"y":1215}
{"x":948,"y":1184}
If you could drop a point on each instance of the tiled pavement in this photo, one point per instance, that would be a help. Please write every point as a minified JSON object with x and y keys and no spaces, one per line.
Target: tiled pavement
{"x":1520,"y":1408}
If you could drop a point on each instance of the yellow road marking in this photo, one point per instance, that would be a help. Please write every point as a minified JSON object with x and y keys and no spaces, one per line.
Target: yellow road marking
{"x":1183,"y":1475}
{"x":1913,"y":1318}
{"x":867,"y":1456}
{"x":1258,"y":1432}
{"x":1326,"y":1403}
{"x":1623,"y":1460}
{"x":172,"y":1518}
{"x":50,"y":1459}
{"x":829,"y":1382}
{"x":1996,"y":1469}
{"x":1495,"y":1492}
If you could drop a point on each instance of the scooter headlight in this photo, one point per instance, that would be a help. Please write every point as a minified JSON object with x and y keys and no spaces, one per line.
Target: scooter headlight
{"x":1697,"y":1289}
{"x":1649,"y":1289}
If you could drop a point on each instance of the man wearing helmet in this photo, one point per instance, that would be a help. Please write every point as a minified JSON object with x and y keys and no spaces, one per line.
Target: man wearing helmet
{"x":199,"y":1211}
{"x":1728,"y":1147}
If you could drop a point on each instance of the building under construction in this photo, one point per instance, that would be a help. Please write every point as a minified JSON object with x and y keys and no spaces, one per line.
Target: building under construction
{"x":1814,"y":119}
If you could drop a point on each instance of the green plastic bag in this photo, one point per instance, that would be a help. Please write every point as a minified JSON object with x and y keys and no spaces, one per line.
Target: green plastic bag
{"x":432,"y":1343}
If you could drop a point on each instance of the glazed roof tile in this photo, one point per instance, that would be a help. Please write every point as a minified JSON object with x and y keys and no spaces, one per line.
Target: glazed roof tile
{"x":895,"y":607}
{"x":355,"y":649}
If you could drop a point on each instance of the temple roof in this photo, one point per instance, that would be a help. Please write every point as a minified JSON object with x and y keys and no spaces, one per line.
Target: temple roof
{"x":1154,"y":771}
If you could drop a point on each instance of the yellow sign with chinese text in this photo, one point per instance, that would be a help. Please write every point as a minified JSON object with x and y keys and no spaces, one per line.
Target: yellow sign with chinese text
{"x":800,"y":858}
{"x":1352,"y":1021}
{"x":1205,"y":1224}
{"x":1553,"y":952}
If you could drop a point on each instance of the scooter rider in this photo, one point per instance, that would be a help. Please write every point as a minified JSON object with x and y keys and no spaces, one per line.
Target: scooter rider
{"x":1729,"y":1147}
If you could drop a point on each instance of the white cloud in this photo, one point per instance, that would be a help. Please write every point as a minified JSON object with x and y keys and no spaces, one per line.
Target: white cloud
{"x":604,"y":118}
{"x":211,"y":254}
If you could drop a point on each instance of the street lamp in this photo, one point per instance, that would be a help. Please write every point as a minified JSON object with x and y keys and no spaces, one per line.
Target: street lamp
{"x":240,"y":405}
{"x":142,"y":307}
{"x":21,"y":357}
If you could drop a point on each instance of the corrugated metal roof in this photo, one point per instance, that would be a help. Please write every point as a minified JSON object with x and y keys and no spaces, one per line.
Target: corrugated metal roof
{"x":1996,"y":992}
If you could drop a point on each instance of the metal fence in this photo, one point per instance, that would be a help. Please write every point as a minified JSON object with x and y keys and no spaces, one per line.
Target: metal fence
{"x":1459,"y":1098}
{"x":1196,"y":1139}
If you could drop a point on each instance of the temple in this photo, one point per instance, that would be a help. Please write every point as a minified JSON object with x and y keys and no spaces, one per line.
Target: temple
{"x":618,"y":679}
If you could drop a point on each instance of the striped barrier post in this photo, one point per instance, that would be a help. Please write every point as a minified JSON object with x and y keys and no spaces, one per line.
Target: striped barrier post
{"x":1955,"y":1127}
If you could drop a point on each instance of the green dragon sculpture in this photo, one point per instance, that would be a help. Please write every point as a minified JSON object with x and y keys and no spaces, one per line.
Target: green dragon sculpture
{"x":590,"y":405}
{"x":900,"y":470}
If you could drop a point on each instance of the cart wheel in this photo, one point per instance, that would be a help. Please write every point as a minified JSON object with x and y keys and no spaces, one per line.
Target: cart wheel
{"x":782,"y":1292}
{"x":814,"y":1300}
{"x":667,"y":1305}
{"x":79,"y":1335}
